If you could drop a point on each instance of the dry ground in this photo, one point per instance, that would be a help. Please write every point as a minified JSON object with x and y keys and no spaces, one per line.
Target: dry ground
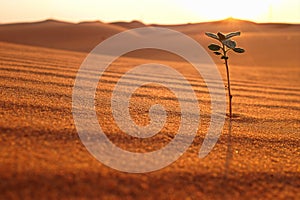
{"x":42,"y":157}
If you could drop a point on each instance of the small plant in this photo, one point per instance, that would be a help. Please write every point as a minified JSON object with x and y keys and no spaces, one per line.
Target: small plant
{"x":226,"y":45}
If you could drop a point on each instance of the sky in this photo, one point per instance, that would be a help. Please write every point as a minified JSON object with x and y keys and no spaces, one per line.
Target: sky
{"x":150,"y":11}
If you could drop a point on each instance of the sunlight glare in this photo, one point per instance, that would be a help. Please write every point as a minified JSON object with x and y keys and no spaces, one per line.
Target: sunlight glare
{"x":215,"y":10}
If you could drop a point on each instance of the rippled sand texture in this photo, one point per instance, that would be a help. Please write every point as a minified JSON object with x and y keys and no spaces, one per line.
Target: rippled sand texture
{"x":41,"y":155}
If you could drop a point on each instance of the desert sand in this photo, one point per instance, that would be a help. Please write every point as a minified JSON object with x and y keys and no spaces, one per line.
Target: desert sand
{"x":42,"y":157}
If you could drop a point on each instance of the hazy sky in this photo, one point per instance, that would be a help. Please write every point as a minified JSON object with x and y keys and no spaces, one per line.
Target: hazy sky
{"x":150,"y":11}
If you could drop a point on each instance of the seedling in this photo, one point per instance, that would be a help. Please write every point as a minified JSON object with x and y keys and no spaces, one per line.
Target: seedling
{"x":222,"y":50}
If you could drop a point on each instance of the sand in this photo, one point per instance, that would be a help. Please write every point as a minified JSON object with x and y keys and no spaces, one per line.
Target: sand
{"x":256,"y":157}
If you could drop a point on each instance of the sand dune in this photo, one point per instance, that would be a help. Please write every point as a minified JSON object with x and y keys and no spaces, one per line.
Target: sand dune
{"x":41,"y":155}
{"x":60,"y":35}
{"x":129,"y":25}
{"x":265,"y":44}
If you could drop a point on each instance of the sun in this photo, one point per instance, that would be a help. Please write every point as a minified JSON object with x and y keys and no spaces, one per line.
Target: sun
{"x":215,"y":10}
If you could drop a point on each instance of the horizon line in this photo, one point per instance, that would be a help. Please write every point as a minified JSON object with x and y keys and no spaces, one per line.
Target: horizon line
{"x":140,"y":21}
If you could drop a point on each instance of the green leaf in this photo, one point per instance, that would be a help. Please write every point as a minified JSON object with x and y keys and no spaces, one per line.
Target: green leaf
{"x":233,"y":34}
{"x":214,"y":47}
{"x":224,"y":57}
{"x":221,"y":36}
{"x":212,"y":35}
{"x":239,"y":50}
{"x":230,"y":43}
{"x":217,"y":53}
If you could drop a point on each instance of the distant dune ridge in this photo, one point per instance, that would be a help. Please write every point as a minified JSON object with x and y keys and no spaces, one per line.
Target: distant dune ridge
{"x":265,"y":44}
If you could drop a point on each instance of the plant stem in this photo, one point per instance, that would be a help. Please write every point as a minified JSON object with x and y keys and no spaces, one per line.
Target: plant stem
{"x":228,"y":81}
{"x":229,"y":91}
